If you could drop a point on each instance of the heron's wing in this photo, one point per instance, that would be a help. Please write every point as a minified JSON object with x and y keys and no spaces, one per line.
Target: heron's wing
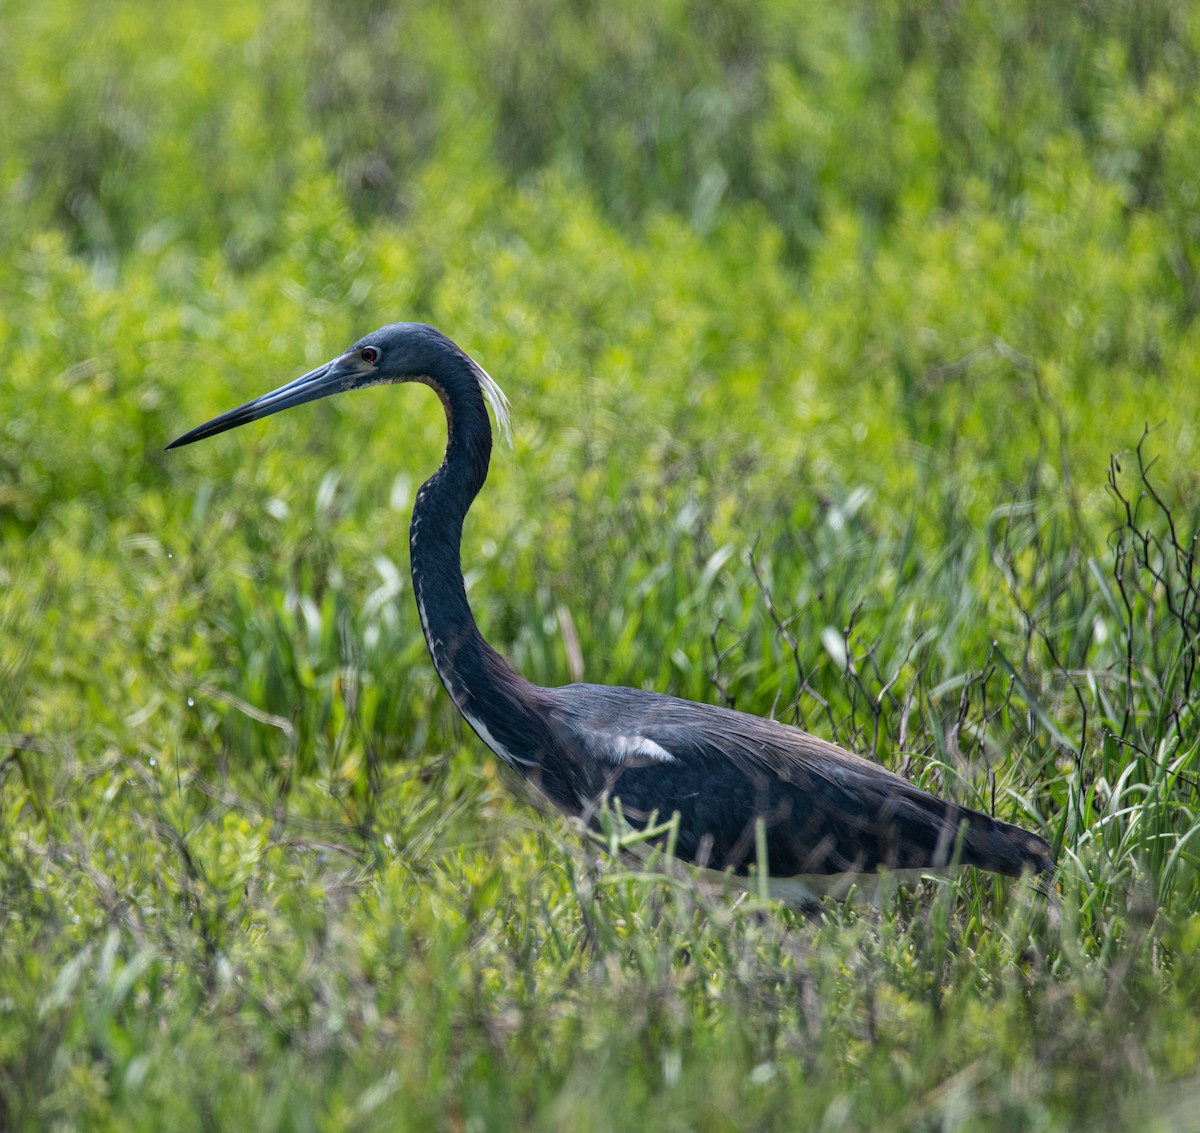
{"x":822,"y":809}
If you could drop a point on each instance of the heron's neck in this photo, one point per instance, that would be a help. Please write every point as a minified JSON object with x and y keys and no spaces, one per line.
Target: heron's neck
{"x":508,"y":713}
{"x":481,"y":684}
{"x":435,"y":539}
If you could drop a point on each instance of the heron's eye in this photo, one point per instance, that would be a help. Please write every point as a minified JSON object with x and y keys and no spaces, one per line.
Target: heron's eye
{"x":368,"y":354}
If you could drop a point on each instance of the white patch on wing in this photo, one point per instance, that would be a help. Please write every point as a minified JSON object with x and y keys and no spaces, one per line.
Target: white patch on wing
{"x":622,"y":747}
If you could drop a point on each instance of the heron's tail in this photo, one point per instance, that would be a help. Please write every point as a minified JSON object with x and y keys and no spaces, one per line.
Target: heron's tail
{"x":1002,"y":847}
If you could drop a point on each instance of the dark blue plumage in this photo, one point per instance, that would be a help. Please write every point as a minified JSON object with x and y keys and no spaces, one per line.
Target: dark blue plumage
{"x":826,"y":814}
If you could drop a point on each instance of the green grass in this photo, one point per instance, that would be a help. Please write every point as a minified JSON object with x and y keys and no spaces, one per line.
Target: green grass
{"x":853,"y":353}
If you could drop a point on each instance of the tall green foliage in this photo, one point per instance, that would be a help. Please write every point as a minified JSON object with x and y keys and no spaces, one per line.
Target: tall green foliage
{"x":822,"y":326}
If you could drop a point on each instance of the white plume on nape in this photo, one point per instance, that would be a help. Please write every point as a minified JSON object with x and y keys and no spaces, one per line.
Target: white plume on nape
{"x":494,"y":396}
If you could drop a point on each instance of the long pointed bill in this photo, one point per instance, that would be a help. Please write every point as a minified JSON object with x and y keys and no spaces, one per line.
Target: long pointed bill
{"x":333,"y":377}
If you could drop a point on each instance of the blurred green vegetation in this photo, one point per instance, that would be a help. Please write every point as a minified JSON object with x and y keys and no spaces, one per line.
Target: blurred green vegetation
{"x":853,"y":350}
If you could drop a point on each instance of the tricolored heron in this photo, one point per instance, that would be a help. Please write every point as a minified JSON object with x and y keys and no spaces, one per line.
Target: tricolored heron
{"x":735,"y":782}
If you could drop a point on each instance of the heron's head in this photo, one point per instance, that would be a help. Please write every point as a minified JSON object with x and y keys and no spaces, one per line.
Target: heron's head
{"x":400,"y":352}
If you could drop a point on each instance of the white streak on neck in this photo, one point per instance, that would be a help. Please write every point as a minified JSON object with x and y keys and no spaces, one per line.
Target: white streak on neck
{"x":436,"y":651}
